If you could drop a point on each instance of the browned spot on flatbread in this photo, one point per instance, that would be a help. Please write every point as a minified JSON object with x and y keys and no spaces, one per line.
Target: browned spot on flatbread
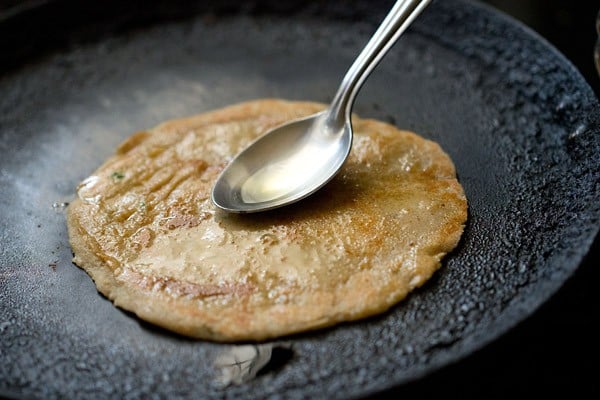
{"x":143,"y":237}
{"x":185,"y":220}
{"x":175,"y":288}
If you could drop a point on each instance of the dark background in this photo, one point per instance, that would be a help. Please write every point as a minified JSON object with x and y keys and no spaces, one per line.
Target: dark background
{"x":556,"y":350}
{"x":569,"y":25}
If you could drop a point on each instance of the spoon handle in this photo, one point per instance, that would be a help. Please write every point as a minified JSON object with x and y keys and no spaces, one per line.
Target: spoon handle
{"x":395,"y":23}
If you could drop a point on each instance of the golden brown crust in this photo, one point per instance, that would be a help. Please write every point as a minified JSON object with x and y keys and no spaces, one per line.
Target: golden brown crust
{"x":144,"y":229}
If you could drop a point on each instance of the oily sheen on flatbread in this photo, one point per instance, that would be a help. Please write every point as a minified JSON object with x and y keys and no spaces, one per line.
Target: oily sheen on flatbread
{"x":144,"y":228}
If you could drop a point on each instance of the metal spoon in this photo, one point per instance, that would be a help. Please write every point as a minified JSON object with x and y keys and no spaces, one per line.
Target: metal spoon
{"x":294,"y":160}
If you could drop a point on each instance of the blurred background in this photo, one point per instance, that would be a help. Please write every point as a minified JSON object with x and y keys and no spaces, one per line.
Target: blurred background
{"x":569,"y":25}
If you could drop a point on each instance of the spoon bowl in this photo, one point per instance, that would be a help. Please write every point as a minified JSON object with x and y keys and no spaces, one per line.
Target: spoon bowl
{"x":303,"y":154}
{"x":292,"y":161}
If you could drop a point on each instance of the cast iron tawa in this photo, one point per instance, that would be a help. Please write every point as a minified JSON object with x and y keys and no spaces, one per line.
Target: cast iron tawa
{"x":516,"y":117}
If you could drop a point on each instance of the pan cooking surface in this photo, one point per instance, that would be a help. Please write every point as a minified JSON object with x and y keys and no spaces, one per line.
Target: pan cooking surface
{"x":521,"y":125}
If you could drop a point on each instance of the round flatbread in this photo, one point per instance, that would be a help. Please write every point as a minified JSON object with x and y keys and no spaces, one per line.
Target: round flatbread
{"x":144,"y":228}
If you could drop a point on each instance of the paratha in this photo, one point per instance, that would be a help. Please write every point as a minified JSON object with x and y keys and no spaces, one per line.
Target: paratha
{"x":144,"y":228}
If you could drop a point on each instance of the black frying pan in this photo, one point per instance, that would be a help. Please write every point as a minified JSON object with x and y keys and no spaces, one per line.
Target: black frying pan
{"x":520,"y":123}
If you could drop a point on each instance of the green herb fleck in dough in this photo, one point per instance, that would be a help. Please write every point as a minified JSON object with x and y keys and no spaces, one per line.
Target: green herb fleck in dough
{"x":117,"y":176}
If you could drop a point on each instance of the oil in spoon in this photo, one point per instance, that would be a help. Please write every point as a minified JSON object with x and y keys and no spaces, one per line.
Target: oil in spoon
{"x":283,"y":178}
